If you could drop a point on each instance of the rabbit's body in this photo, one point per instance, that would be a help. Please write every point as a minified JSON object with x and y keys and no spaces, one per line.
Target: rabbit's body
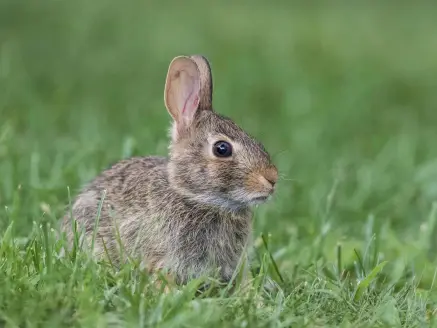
{"x":159,"y":225}
{"x":188,"y":213}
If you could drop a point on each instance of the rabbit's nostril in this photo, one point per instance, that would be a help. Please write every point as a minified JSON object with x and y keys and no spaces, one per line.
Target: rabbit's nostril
{"x":272,"y":182}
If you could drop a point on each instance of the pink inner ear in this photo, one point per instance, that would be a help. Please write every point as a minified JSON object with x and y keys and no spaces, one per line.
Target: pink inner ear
{"x":190,"y":99}
{"x":190,"y":103}
{"x":183,"y":92}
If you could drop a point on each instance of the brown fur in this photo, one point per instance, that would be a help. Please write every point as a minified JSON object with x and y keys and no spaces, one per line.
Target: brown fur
{"x":188,"y":213}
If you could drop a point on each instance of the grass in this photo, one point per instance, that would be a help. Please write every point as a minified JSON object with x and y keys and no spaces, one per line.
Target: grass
{"x":342,"y":96}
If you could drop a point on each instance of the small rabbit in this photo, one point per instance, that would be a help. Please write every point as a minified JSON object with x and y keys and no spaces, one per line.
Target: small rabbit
{"x":190,"y":213}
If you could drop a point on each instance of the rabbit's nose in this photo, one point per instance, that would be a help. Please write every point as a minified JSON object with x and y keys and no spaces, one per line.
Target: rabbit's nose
{"x":271,"y":175}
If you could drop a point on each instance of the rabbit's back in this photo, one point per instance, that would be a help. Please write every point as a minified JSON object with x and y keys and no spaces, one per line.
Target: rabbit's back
{"x":124,"y":189}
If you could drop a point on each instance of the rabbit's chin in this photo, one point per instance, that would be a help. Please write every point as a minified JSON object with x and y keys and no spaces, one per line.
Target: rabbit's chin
{"x":231,"y":203}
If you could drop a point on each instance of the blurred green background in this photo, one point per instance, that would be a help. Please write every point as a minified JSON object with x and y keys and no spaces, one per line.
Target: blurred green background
{"x":342,"y":95}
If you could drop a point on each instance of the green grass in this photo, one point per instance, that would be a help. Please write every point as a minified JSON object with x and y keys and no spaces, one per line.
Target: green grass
{"x":344,"y":97}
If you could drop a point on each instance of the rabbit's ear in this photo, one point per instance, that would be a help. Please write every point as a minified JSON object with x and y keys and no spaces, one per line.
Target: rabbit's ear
{"x":188,"y":88}
{"x":182,"y":90}
{"x":205,"y":81}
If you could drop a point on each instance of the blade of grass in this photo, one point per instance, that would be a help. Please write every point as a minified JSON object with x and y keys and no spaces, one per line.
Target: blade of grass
{"x":275,"y":266}
{"x":96,"y":221}
{"x":364,"y":284}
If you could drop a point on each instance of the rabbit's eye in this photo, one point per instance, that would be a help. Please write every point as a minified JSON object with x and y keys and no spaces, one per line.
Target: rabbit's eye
{"x":222,"y":149}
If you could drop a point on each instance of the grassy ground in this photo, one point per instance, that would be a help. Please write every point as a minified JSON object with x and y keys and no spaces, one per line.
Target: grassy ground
{"x":344,"y":97}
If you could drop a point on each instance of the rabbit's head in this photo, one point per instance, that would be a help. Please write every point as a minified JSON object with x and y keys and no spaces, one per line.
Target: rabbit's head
{"x":212,"y":160}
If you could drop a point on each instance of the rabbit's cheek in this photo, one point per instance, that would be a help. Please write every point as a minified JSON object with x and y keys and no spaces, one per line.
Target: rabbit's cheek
{"x":218,"y":175}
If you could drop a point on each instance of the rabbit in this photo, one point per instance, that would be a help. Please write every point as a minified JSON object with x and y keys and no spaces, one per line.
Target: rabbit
{"x":189,"y":213}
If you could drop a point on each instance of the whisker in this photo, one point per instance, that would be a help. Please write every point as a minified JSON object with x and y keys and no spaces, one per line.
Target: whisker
{"x":280,"y":152}
{"x":282,"y":177}
{"x":288,"y":179}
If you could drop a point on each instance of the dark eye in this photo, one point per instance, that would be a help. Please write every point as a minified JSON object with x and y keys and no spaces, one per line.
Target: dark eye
{"x":222,"y":149}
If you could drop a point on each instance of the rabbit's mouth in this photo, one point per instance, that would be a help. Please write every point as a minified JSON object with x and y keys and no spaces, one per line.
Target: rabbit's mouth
{"x":259,"y":200}
{"x":246,"y":198}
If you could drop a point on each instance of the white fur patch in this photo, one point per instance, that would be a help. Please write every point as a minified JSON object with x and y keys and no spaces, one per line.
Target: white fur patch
{"x":174,"y":132}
